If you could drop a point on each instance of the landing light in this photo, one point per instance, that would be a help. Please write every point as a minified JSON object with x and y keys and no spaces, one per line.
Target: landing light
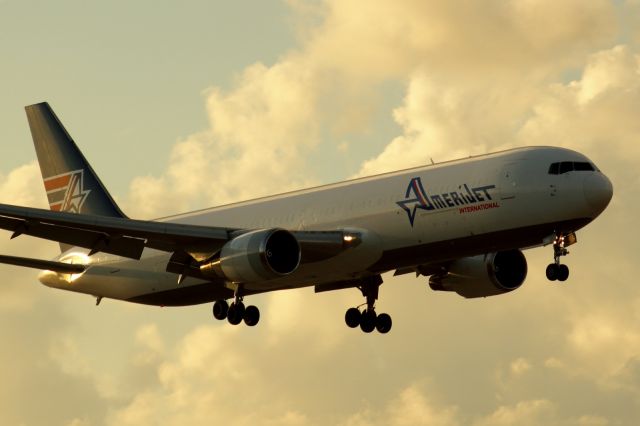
{"x":566,"y":240}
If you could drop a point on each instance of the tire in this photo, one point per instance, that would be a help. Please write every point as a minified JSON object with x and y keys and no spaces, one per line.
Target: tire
{"x":235,"y":314}
{"x":563,"y":272}
{"x":383,"y":323}
{"x":368,"y":321}
{"x":352,"y":317}
{"x":251,"y":315}
{"x":552,"y":272}
{"x":220,"y":309}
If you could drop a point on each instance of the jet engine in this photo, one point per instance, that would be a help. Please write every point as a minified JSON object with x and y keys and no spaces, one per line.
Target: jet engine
{"x":255,"y":256}
{"x":484,"y":275}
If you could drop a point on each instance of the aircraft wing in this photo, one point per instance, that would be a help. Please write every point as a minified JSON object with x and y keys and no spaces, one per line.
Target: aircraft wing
{"x":128,"y":237}
{"x":115,"y":235}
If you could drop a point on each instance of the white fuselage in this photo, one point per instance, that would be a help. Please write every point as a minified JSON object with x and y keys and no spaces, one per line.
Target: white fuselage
{"x":412,"y":217}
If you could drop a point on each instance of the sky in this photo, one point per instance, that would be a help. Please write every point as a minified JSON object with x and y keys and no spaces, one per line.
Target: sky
{"x":187,"y":105}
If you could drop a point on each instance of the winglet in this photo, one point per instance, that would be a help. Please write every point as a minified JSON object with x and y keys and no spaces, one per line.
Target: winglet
{"x":70,"y":182}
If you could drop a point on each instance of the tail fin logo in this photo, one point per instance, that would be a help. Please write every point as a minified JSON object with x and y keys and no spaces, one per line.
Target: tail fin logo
{"x":66,"y":192}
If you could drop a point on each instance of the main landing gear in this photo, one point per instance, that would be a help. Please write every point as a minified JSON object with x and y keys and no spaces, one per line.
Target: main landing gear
{"x":367,"y":319}
{"x":236,"y":312}
{"x":556,"y":270}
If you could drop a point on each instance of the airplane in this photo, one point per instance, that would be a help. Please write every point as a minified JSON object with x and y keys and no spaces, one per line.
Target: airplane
{"x":462,"y":223}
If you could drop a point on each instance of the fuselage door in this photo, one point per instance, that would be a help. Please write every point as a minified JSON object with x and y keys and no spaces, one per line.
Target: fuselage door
{"x":508,"y":181}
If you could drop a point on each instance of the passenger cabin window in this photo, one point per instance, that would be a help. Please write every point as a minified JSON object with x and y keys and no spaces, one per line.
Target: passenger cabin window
{"x":569,"y":166}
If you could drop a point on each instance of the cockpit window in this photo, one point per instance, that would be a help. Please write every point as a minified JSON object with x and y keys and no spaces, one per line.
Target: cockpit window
{"x":566,"y":166}
{"x":583,"y":167}
{"x":569,"y":166}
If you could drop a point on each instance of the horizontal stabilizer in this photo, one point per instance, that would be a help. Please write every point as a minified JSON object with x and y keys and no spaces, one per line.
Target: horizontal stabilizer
{"x":63,"y":268}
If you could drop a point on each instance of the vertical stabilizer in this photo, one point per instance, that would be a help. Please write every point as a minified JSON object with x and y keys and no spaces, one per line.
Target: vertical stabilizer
{"x":69,"y":181}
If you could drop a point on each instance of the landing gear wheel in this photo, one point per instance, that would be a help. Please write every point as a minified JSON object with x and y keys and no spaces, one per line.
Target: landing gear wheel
{"x":251,"y":315}
{"x":552,"y":272}
{"x":563,"y":272}
{"x":220,"y":309}
{"x":352,"y":317}
{"x":235,"y":313}
{"x":383,"y":323}
{"x":368,"y":321}
{"x":556,"y":270}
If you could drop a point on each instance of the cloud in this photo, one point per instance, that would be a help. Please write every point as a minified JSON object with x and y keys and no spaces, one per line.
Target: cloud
{"x":390,"y":39}
{"x":594,"y":112}
{"x":258,"y":135}
{"x":194,"y":384}
{"x":593,"y":331}
{"x":23,"y":186}
{"x":410,"y":407}
{"x":614,"y":70}
{"x":440,"y":122}
{"x":152,"y":343}
{"x":195,"y":380}
{"x":536,"y":412}
{"x":265,"y":131}
{"x":446,"y":118}
{"x":520,"y":366}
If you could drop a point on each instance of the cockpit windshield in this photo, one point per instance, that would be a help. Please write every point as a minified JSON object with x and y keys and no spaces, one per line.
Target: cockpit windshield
{"x":570,"y":166}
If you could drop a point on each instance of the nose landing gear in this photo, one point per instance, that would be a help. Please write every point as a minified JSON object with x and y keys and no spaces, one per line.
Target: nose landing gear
{"x":368,"y":319}
{"x":556,"y":270}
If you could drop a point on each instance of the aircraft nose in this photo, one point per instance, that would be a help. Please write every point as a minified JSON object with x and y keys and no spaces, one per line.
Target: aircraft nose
{"x":598,"y":191}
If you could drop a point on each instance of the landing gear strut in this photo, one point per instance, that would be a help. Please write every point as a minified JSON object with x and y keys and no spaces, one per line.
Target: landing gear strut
{"x":367,"y":319}
{"x":236,"y":312}
{"x":556,"y":270}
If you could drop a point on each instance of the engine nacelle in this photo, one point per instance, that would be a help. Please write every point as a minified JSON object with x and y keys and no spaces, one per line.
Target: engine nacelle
{"x":484,"y":275}
{"x":256,"y":256}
